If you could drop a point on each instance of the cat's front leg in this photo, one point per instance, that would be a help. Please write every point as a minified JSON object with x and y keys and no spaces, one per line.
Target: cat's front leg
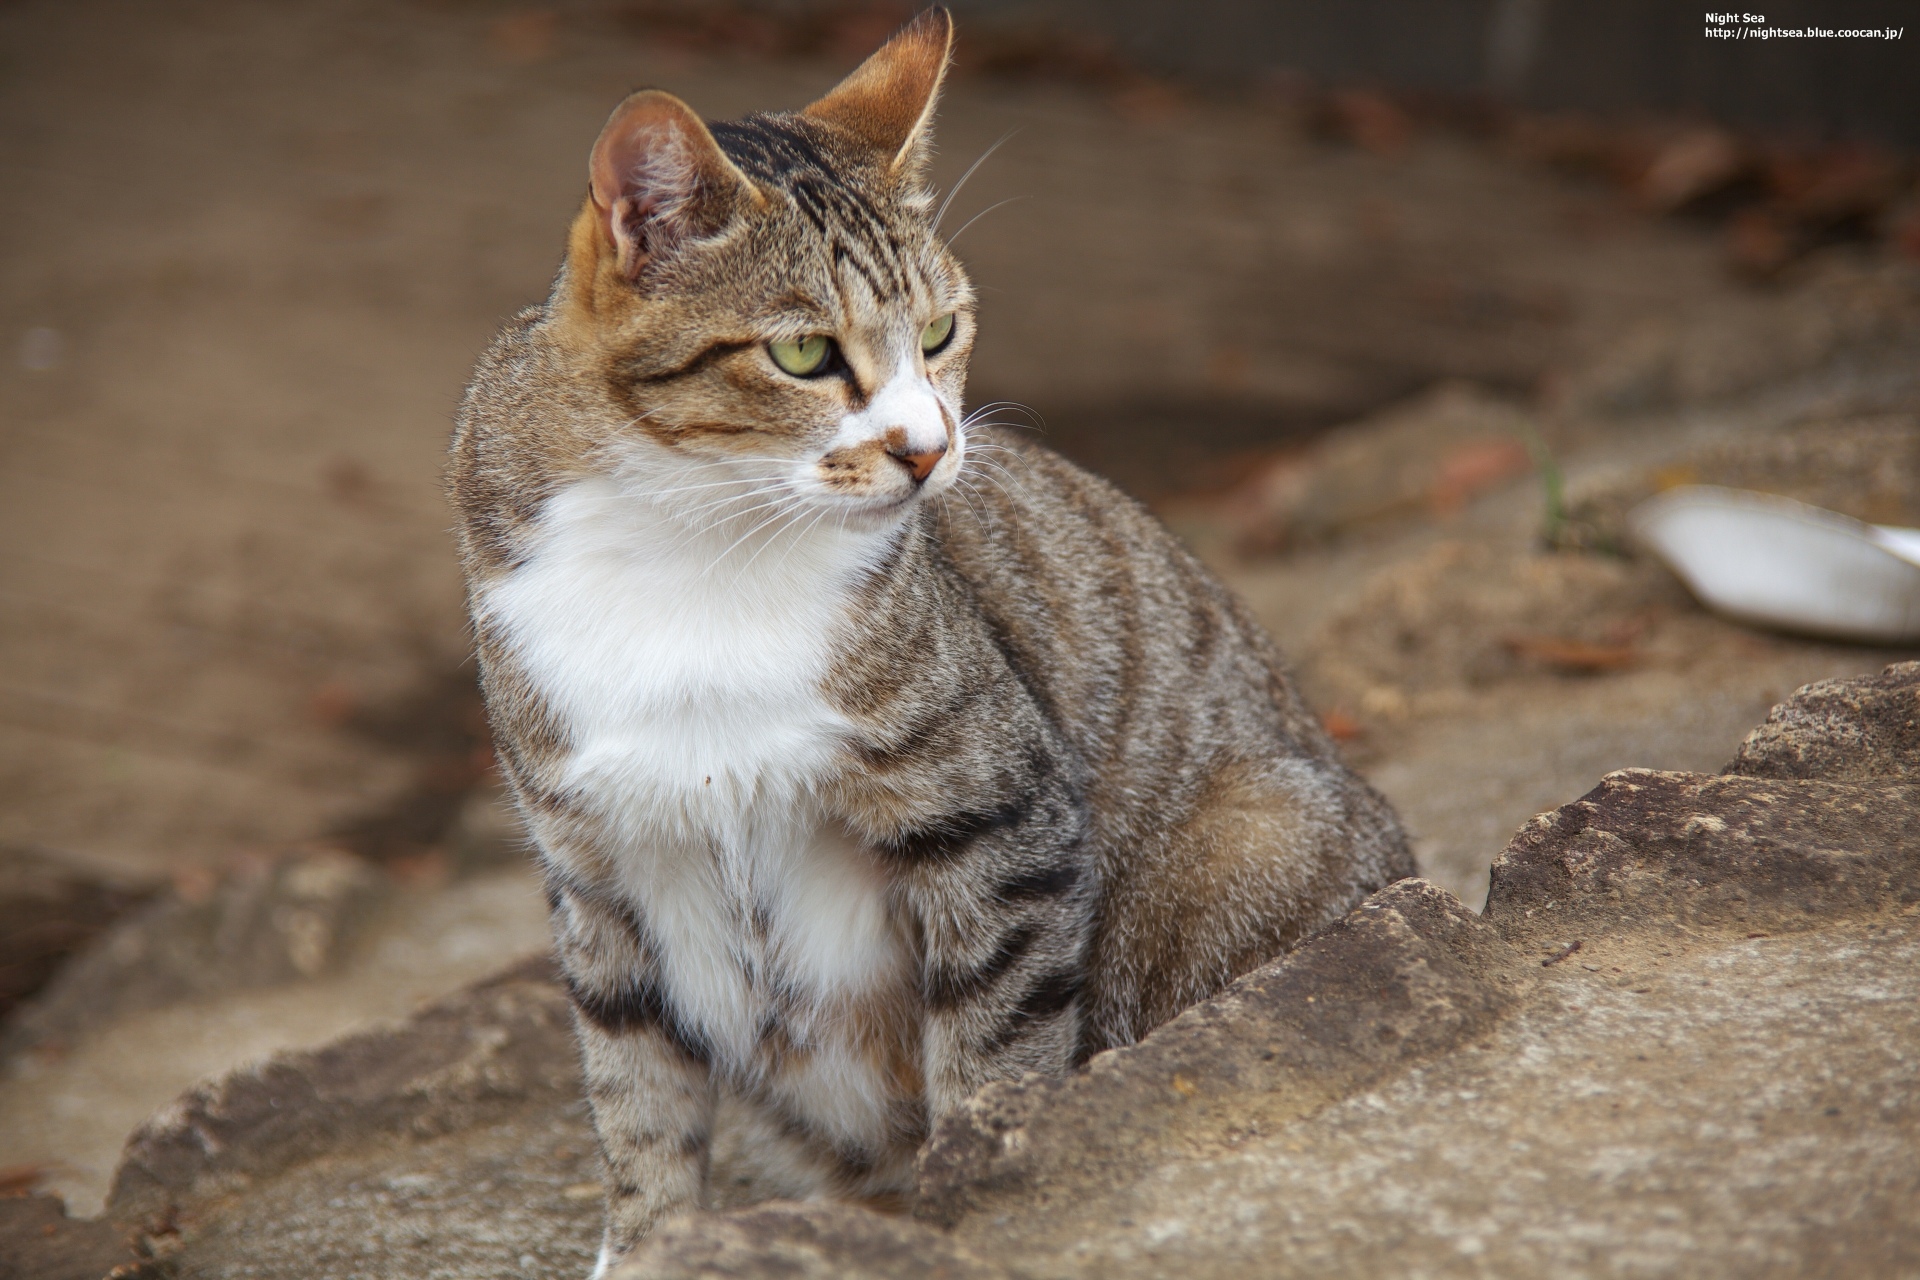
{"x":1006,"y":925}
{"x":648,"y":1077}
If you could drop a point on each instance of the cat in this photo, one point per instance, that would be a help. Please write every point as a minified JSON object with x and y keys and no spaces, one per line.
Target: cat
{"x":872,"y":753}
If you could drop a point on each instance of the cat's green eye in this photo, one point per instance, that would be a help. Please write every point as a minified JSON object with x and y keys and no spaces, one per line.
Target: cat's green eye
{"x":803,"y":357}
{"x":935,"y":335}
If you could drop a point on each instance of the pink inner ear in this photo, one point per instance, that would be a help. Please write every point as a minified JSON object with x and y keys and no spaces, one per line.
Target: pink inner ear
{"x":646,"y":172}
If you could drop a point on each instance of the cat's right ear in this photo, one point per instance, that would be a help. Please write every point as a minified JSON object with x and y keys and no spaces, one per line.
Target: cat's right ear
{"x":659,"y":178}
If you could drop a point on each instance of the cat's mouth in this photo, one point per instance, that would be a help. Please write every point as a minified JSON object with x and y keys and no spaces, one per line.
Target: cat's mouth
{"x":879,"y":506}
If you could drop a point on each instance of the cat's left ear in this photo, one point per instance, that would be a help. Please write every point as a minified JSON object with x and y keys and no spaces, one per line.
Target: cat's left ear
{"x":888,"y":100}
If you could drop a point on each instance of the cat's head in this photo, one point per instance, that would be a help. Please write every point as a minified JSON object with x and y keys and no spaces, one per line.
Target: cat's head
{"x":767,"y":299}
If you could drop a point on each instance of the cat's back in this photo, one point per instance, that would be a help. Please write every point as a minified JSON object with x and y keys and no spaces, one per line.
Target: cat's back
{"x":1224,"y":821}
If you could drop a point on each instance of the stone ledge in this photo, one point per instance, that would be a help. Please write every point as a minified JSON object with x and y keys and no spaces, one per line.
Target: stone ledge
{"x":1646,"y":848}
{"x":803,"y":1242}
{"x":454,"y":1065}
{"x":1408,"y":975}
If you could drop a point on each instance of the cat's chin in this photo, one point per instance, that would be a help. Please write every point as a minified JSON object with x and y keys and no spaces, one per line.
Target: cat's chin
{"x":875,"y":513}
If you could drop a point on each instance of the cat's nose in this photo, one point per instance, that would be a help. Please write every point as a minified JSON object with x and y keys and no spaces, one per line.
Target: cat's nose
{"x":919,"y":465}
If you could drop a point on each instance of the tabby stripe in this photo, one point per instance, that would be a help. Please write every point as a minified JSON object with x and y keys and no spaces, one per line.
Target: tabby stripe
{"x":718,"y":351}
{"x":854,"y":1161}
{"x":810,"y":200}
{"x":843,"y":256}
{"x":945,"y":989}
{"x":948,"y":837}
{"x":922,"y":733}
{"x":1016,"y":665}
{"x":1042,"y":882}
{"x":639,"y":1005}
{"x":1051,"y":995}
{"x":780,"y":152}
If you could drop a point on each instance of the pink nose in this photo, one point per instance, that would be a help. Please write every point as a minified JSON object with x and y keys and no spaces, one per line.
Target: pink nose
{"x":920,"y":465}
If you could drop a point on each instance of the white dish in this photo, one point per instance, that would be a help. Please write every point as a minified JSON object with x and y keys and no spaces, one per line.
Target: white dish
{"x":1781,"y":563}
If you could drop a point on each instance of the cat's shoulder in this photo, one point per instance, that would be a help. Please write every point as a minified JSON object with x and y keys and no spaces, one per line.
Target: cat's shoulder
{"x":512,"y":440}
{"x":1014,"y":484}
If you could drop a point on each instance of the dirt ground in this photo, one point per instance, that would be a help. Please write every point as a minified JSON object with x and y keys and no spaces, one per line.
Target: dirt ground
{"x":250,"y":252}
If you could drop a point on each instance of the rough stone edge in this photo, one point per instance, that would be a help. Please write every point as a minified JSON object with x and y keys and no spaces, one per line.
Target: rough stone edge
{"x":1860,"y":729}
{"x":1707,"y":852}
{"x":1408,"y":975}
{"x":459,"y":1061}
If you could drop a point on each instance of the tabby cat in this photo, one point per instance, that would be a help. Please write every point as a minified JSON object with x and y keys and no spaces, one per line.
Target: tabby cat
{"x":872,"y":753}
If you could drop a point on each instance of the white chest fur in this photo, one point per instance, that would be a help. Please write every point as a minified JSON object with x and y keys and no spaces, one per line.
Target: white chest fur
{"x":690,"y":694}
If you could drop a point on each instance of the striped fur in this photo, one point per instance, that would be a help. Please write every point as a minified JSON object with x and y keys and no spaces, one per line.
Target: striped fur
{"x":872,"y":754}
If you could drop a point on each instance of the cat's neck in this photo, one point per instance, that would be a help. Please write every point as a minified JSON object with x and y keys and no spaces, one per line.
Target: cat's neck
{"x":687,"y":660}
{"x":723,"y":537}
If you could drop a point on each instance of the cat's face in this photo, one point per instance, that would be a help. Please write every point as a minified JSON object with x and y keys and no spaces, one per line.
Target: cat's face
{"x":767,"y":299}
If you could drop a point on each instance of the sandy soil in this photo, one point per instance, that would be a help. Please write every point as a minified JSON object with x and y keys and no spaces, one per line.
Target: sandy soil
{"x":251,"y":251}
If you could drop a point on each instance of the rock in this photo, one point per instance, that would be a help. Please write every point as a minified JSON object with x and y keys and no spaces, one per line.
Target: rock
{"x":1647,"y":852}
{"x":459,"y":1064}
{"x":456,"y":1144}
{"x":268,"y":922}
{"x":1678,"y":1042}
{"x":52,"y":906}
{"x":1836,"y":307}
{"x":1860,"y":730}
{"x":1409,"y":975}
{"x":1675,"y":1039}
{"x":803,"y":1242}
{"x":38,"y":1241}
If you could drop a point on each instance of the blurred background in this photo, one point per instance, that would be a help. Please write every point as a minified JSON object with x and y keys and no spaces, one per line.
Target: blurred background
{"x":1392,"y":310}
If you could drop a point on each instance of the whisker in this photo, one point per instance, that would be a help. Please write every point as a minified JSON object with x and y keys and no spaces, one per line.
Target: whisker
{"x":768,"y":522}
{"x":1038,"y":420}
{"x":995,"y":422}
{"x":942,"y":211}
{"x":994,"y":467}
{"x":990,"y":446}
{"x":695,"y":488}
{"x":776,"y":501}
{"x":974,"y":490}
{"x":794,"y":542}
{"x":791,"y":544}
{"x":983,"y":213}
{"x":695,"y":529}
{"x":989,"y":464}
{"x":965,"y":490}
{"x":982,"y":477}
{"x":717,"y":503}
